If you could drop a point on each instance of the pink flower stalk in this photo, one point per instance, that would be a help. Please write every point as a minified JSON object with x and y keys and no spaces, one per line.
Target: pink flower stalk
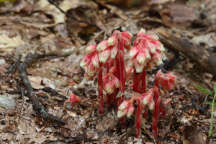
{"x":149,"y":100}
{"x":147,"y":51}
{"x":123,"y":42}
{"x":126,"y":108}
{"x":166,"y":81}
{"x":92,"y":64}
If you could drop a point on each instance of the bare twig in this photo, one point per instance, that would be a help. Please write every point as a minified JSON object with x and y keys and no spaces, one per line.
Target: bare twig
{"x":37,"y":106}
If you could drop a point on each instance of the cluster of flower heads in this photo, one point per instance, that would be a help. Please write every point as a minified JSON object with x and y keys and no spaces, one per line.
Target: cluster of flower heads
{"x":98,"y":55}
{"x":147,"y":51}
{"x":106,"y":60}
{"x":165,"y":81}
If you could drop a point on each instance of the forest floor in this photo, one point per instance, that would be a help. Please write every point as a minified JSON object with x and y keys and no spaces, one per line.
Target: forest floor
{"x":59,"y":30}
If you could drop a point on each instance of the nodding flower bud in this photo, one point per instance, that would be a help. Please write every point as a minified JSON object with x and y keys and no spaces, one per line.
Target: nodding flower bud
{"x":129,"y":71}
{"x":90,"y":62}
{"x":130,"y":111}
{"x":143,"y":57}
{"x":141,"y":33}
{"x":91,"y":70}
{"x":114,"y":52}
{"x":95,"y":61}
{"x":157,"y":58}
{"x":126,"y":35}
{"x":104,"y":55}
{"x":91,"y":48}
{"x":133,"y":52}
{"x":123,"y":109}
{"x":148,"y":97}
{"x":126,"y":39}
{"x":151,"y":46}
{"x":109,"y":87}
{"x":85,"y":61}
{"x":166,"y":81}
{"x":111,"y":83}
{"x":102,"y":45}
{"x":151,"y":105}
{"x":74,"y":99}
{"x":112,"y":41}
{"x":139,"y":67}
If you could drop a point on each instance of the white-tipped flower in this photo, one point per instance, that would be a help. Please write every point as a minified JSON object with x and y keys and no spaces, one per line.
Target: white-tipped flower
{"x":111,"y":41}
{"x":143,"y":57}
{"x":114,"y":52}
{"x":133,"y":52}
{"x":109,"y":87}
{"x":139,"y":67}
{"x":116,"y":82}
{"x":123,"y":109}
{"x":123,"y":105}
{"x":102,"y":45}
{"x":104,"y":55}
{"x":152,"y":48}
{"x":90,"y":70}
{"x":126,"y":35}
{"x":95,"y":60}
{"x":90,"y":48}
{"x":142,"y":31}
{"x":148,"y":97}
{"x":151,"y":105}
{"x":85,"y":61}
{"x":161,"y":47}
{"x":130,"y":111}
{"x":121,"y":114}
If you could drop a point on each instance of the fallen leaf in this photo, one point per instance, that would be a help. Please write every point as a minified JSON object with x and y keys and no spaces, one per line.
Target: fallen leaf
{"x":7,"y":43}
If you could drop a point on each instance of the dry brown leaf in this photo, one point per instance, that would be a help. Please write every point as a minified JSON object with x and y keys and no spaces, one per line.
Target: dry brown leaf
{"x":39,"y":82}
{"x":7,"y":43}
{"x":178,"y":14}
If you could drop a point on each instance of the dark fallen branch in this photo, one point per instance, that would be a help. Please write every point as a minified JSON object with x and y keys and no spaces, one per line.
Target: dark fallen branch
{"x":37,"y":106}
{"x":181,"y":44}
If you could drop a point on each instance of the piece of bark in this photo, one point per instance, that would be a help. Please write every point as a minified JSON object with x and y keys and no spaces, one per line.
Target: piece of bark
{"x":176,"y":41}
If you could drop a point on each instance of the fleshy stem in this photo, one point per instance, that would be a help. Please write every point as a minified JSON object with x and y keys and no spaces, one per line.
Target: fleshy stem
{"x":121,"y":70}
{"x":138,"y":117}
{"x":100,"y":91}
{"x":156,"y":112}
{"x":139,"y":82}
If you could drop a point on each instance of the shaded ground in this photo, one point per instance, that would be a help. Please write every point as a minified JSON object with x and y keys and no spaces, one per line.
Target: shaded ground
{"x":40,"y":27}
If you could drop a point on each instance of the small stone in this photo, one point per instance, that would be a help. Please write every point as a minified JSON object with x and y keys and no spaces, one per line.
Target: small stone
{"x":7,"y":102}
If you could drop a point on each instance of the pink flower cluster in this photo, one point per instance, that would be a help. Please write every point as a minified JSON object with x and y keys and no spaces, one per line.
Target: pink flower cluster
{"x":149,"y":100}
{"x":146,"y":51}
{"x":107,"y":61}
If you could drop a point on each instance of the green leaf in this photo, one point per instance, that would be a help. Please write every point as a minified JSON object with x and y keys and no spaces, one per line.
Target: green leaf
{"x":205,"y":91}
{"x":210,"y":103}
{"x":214,"y":87}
